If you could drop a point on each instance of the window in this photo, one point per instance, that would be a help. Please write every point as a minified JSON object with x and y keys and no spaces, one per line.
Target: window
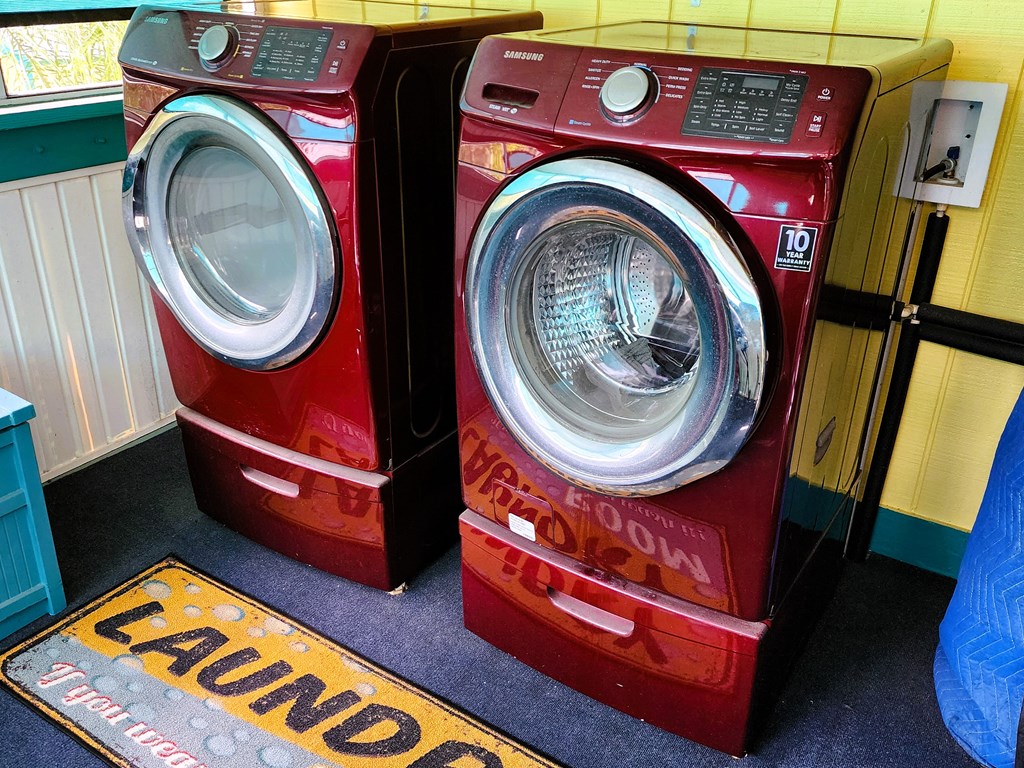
{"x":59,"y":58}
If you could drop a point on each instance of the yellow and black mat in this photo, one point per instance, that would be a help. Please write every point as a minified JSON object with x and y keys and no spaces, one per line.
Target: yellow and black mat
{"x":176,"y":669}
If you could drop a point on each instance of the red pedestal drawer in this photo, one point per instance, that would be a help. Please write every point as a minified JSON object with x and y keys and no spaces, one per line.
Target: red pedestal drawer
{"x":682,"y":667}
{"x":327,"y":515}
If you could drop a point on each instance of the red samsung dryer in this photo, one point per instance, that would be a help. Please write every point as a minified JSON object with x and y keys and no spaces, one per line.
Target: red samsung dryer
{"x":289,"y":196}
{"x":672,"y":241}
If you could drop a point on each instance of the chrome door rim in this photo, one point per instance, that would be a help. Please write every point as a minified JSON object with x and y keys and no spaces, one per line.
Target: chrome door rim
{"x":727,"y":394}
{"x":181,"y":126}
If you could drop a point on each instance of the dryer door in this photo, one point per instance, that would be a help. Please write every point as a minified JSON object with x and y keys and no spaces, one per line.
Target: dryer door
{"x":616,"y":329}
{"x":226,"y":223}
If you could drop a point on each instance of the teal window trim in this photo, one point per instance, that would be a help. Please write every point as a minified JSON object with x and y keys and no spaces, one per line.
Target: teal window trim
{"x":62,"y":135}
{"x":69,"y":130}
{"x":60,"y":109}
{"x":24,"y":15}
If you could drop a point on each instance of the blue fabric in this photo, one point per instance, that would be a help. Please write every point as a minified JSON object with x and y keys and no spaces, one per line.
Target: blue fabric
{"x":979,"y":665}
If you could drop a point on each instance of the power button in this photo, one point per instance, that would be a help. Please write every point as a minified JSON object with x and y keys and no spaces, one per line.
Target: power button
{"x":826,"y":93}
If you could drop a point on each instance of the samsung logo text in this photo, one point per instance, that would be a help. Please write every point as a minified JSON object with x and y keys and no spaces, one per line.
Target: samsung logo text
{"x":524,"y":55}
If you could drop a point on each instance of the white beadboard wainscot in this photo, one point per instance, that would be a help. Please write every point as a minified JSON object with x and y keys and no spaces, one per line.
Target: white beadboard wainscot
{"x":78,"y":338}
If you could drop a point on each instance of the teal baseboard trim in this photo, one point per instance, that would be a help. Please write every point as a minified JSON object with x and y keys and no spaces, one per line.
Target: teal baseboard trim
{"x":63,"y":137}
{"x":924,"y":543}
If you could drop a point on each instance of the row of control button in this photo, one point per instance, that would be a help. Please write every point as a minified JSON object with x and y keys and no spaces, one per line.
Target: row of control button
{"x":219,"y":43}
{"x":713,"y":107}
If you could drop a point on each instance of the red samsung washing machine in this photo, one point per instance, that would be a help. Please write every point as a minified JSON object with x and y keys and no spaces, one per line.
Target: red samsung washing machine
{"x":672,"y":242}
{"x":289,"y":196}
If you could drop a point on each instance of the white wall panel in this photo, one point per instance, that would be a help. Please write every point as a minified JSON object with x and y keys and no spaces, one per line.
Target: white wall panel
{"x":77,"y":334}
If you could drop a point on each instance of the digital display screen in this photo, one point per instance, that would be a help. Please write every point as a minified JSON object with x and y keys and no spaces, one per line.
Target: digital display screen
{"x":290,"y":53}
{"x":764,"y":83}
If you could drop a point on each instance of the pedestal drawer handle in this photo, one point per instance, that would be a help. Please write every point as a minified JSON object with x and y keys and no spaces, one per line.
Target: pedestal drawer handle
{"x":590,"y":614}
{"x":269,"y":482}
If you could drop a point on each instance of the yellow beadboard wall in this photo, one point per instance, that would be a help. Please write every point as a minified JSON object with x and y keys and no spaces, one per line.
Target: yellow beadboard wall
{"x":958,"y":403}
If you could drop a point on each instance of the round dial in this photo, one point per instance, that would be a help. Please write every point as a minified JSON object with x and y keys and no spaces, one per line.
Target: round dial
{"x":628,"y":90}
{"x":216,"y":44}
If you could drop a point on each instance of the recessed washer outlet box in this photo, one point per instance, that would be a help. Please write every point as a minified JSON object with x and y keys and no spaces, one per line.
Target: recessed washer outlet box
{"x":954,"y":114}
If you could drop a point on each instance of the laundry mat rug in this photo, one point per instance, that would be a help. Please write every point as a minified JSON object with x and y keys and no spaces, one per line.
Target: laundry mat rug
{"x":176,"y":669}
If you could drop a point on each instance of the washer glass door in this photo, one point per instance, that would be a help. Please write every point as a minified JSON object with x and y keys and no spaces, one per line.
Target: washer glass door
{"x":616,"y":329}
{"x":226,"y":223}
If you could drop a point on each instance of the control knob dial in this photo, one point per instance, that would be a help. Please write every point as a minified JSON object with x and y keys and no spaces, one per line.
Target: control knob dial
{"x":217,"y":44}
{"x":628,"y":91}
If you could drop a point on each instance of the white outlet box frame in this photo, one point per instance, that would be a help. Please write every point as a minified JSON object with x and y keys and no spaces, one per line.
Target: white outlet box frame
{"x":946,"y":115}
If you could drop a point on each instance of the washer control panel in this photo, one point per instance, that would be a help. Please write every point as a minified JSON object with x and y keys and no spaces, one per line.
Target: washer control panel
{"x":744,"y":105}
{"x":651,"y":98}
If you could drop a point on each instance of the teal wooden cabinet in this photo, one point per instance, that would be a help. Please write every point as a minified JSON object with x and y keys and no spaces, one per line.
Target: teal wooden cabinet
{"x":30,"y":583}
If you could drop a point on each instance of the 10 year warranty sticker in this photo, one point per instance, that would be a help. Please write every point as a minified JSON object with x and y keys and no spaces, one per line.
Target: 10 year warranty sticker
{"x":796,"y":247}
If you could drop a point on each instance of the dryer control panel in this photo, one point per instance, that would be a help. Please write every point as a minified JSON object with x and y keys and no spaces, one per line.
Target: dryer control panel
{"x":246,"y":50}
{"x":290,"y":53}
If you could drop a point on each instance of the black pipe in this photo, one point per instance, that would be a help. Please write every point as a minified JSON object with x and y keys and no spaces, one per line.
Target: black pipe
{"x":863,"y":524}
{"x":944,"y":166}
{"x":856,"y":309}
{"x":997,"y":349}
{"x":978,"y":325}
{"x":928,"y":264}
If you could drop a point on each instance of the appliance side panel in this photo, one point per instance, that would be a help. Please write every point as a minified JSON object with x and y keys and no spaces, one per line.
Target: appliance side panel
{"x":848,"y":337}
{"x":416,"y":107}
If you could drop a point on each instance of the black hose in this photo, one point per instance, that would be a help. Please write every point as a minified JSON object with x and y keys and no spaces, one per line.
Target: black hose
{"x":935,"y":170}
{"x":977,"y":334}
{"x":855,"y":309}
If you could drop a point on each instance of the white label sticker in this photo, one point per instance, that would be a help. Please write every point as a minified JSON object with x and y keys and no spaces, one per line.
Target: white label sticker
{"x":523,"y":527}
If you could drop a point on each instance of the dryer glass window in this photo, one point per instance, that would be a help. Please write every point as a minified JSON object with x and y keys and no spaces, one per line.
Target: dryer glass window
{"x":227,"y":223}
{"x":605,"y":329}
{"x":231,"y":233}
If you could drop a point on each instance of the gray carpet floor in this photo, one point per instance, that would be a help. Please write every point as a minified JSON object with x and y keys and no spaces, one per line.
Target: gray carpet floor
{"x":861,"y":694}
